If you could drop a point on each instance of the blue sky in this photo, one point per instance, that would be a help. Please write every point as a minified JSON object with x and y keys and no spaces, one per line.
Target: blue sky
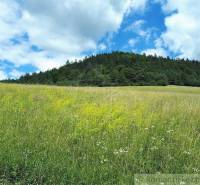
{"x":40,"y":35}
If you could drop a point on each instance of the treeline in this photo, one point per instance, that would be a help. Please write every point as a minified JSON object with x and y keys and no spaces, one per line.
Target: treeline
{"x":120,"y":69}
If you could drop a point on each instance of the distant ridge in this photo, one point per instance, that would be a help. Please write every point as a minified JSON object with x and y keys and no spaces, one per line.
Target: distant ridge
{"x":119,"y":69}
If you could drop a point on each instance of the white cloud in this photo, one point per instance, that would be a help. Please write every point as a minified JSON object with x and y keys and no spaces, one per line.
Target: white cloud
{"x":14,"y":74}
{"x":139,"y":4}
{"x":132,"y":42}
{"x":3,"y":75}
{"x":182,"y":36}
{"x":156,"y":51}
{"x":62,"y":29}
{"x":137,"y":27}
{"x":102,"y":47}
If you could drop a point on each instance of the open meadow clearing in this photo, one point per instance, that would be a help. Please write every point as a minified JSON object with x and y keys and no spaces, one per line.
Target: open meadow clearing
{"x":90,"y":135}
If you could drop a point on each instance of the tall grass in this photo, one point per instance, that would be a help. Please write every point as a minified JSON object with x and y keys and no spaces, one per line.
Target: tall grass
{"x":58,"y":135}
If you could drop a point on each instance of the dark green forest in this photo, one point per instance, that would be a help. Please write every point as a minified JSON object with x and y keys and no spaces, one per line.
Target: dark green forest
{"x":119,"y":69}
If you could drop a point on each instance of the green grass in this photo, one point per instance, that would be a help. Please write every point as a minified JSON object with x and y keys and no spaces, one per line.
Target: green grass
{"x":58,"y":135}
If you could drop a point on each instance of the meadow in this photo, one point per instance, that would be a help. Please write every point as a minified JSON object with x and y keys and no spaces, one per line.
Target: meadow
{"x":90,"y":135}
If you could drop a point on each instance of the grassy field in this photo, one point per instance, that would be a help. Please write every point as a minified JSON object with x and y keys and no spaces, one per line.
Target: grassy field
{"x":58,"y":135}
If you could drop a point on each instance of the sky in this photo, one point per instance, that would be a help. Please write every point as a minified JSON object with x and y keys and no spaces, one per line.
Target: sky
{"x":38,"y":35}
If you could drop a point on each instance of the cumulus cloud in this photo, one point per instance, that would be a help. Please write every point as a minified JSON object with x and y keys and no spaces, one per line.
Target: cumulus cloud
{"x":14,"y":74}
{"x":138,"y":4}
{"x":61,"y":29}
{"x":156,"y":51}
{"x":182,"y":36}
{"x":3,"y":75}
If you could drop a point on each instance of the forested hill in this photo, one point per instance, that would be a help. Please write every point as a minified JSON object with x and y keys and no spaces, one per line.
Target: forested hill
{"x":120,"y":69}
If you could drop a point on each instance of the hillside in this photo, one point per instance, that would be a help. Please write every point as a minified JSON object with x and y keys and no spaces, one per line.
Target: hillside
{"x":120,"y":69}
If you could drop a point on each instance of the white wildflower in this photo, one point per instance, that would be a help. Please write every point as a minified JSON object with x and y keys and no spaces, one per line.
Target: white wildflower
{"x":121,"y":151}
{"x":170,"y":131}
{"x":196,"y":170}
{"x":187,"y":152}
